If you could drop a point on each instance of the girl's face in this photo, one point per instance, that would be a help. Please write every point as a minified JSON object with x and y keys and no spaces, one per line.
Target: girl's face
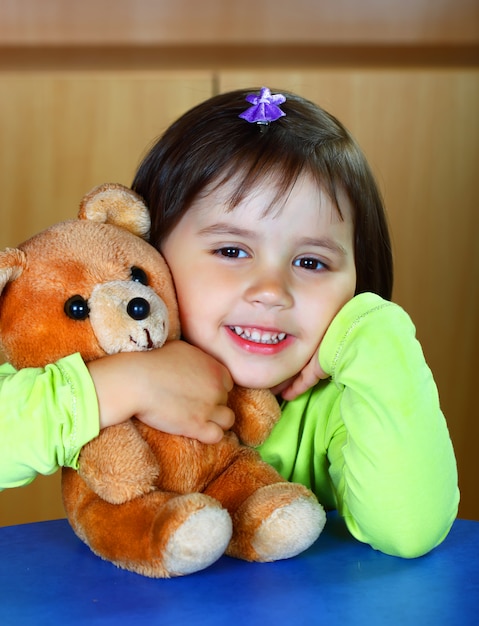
{"x":259,"y":291}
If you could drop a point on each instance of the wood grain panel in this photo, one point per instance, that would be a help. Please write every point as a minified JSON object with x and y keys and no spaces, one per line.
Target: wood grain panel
{"x":64,"y":133}
{"x":146,"y":22}
{"x":39,"y":501}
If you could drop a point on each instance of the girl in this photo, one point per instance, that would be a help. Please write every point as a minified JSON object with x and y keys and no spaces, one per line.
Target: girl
{"x":275,"y":233}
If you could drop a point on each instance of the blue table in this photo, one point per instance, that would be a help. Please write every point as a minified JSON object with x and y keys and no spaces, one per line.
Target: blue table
{"x":48,"y":577}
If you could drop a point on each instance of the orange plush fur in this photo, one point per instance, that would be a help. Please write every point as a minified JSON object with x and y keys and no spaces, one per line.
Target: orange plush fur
{"x":156,"y":504}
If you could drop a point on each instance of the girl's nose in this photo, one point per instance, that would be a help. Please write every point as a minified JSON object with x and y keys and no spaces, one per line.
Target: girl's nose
{"x":269,"y":291}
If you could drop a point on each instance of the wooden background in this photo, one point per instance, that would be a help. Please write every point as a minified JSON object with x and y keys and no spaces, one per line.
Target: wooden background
{"x":86,"y":87}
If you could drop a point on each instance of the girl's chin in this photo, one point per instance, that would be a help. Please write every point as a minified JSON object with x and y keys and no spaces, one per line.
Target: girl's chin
{"x":256,"y":382}
{"x":277,"y":390}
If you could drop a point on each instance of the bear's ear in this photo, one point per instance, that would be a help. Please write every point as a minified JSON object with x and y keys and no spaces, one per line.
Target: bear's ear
{"x":116,"y":204}
{"x":12,"y":264}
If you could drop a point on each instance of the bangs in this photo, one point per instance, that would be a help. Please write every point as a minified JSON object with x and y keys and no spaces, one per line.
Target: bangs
{"x":265,"y":168}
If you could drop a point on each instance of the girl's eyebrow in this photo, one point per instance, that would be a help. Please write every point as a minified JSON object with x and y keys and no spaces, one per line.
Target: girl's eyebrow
{"x":324,"y":242}
{"x":223,"y":228}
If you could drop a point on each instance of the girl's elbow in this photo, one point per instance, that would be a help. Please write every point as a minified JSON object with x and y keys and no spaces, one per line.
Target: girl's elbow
{"x":407,"y":536}
{"x":407,"y":546}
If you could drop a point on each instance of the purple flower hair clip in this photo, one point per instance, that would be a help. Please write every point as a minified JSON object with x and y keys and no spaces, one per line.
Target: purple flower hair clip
{"x":264,"y":107}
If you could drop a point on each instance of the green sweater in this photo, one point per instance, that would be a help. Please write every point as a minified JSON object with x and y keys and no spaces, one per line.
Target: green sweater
{"x":371,"y":441}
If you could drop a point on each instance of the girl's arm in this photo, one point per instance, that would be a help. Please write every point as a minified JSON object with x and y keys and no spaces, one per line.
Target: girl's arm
{"x":48,"y":414}
{"x":392,"y":461}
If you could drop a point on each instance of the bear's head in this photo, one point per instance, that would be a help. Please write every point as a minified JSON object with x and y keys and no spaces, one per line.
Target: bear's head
{"x":91,"y":285}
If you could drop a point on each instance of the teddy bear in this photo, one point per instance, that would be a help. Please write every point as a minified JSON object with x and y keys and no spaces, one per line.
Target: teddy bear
{"x":152,"y":503}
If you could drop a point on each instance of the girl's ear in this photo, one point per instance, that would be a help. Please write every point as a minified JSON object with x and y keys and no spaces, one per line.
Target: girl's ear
{"x":12,"y":263}
{"x":116,"y":204}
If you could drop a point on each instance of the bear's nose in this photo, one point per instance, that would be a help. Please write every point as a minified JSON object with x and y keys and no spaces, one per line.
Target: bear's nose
{"x":138,"y":308}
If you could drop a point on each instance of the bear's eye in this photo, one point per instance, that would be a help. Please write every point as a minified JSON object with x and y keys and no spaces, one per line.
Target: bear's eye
{"x":76,"y":308}
{"x":138,"y":275}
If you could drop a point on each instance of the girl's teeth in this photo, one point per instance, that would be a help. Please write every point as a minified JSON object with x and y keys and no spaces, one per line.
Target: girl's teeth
{"x":257,"y":336}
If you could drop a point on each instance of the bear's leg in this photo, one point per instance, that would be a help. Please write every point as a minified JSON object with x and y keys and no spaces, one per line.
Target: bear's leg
{"x":158,"y":535}
{"x":272,"y":519}
{"x":115,"y":477}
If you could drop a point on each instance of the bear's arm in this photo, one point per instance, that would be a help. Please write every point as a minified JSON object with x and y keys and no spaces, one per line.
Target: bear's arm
{"x":256,"y":412}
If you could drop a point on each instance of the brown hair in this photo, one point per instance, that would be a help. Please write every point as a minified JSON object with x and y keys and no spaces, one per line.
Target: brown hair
{"x":210,"y":143}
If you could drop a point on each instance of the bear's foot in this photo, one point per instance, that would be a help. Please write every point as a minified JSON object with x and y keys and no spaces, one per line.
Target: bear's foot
{"x":199,"y":541}
{"x":186,"y":534}
{"x":276,"y":522}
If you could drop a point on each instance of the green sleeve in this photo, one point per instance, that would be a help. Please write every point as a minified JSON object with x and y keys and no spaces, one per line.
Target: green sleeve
{"x":372,"y":441}
{"x":46,"y":416}
{"x":391,"y":459}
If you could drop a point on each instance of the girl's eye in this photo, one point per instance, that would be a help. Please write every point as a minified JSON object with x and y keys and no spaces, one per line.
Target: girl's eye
{"x":309,"y":263}
{"x":232,"y":253}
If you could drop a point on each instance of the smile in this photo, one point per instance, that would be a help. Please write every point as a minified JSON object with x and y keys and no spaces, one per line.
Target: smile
{"x":258,"y":336}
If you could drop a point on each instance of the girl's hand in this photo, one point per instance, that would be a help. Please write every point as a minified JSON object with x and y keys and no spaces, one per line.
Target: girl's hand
{"x":307,"y":378}
{"x":177,"y":389}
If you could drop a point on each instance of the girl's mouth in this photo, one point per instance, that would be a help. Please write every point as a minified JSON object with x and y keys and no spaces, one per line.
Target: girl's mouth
{"x":259,"y":336}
